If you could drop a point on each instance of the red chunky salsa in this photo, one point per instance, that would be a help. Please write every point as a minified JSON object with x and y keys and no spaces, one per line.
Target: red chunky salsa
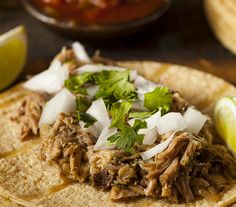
{"x":105,"y":12}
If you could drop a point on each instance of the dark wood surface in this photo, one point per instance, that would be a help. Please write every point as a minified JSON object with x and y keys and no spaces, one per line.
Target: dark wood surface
{"x":181,"y":36}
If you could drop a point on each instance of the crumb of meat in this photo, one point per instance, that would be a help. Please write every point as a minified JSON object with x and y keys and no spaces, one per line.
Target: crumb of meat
{"x":178,"y":103}
{"x":105,"y":164}
{"x":102,"y":179}
{"x":68,"y":57}
{"x":28,"y":114}
{"x":104,"y":159}
{"x":125,"y":174}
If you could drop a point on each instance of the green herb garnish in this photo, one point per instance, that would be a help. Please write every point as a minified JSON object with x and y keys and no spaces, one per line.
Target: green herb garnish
{"x":141,"y":114}
{"x":82,"y":105}
{"x":126,"y":139}
{"x":115,"y":86}
{"x":159,"y":99}
{"x":119,"y":113}
{"x":87,"y":119}
{"x":139,"y":124}
{"x":76,"y":83}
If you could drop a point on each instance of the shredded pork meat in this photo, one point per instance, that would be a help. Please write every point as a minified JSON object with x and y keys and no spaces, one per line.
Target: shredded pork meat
{"x":28,"y":114}
{"x":188,"y":168}
{"x":66,"y":144}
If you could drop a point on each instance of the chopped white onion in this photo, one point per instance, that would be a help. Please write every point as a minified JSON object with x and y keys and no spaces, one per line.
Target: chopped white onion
{"x":171,"y":121}
{"x":101,"y":143}
{"x":153,"y":120}
{"x":62,"y":74}
{"x":133,"y":75}
{"x":63,"y":102}
{"x":157,"y":149}
{"x":150,"y":135}
{"x":195,"y":120}
{"x":80,"y":52}
{"x":44,"y":81}
{"x":97,"y":68}
{"x":138,"y":106}
{"x":99,"y":111}
{"x":141,"y":96}
{"x":144,"y":86}
{"x":92,"y":90}
{"x":55,"y":65}
{"x":50,"y":81}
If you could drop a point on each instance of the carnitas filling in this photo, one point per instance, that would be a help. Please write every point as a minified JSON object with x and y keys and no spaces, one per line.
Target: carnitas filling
{"x":190,"y":167}
{"x":111,"y":128}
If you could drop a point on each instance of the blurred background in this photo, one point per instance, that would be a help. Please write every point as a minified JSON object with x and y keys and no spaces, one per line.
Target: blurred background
{"x":182,"y":36}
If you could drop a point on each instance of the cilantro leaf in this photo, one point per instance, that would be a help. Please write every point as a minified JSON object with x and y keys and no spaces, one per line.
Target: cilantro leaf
{"x":126,"y":139}
{"x":140,"y":114}
{"x":119,"y":113}
{"x":139,"y":124}
{"x":159,"y":99}
{"x":75,"y":83}
{"x":82,"y":105}
{"x":114,"y":86}
{"x":87,"y":119}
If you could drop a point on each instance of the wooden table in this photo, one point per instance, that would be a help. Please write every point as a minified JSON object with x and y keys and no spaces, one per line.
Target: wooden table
{"x":181,"y":36}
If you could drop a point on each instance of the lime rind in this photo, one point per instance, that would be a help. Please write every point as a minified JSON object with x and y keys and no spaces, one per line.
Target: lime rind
{"x":13,"y":53}
{"x":225,"y":121}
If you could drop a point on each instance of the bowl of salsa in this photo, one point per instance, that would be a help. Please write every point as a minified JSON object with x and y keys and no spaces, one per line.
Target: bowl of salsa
{"x":94,"y":19}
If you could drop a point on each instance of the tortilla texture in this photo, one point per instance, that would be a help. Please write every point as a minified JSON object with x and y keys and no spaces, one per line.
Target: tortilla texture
{"x":30,"y":182}
{"x":221,"y":15}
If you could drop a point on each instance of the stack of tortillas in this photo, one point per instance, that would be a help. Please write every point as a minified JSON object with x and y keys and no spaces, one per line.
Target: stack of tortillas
{"x":221,"y":15}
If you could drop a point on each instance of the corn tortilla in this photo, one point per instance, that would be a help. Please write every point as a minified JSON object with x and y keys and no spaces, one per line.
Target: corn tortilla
{"x":30,"y":182}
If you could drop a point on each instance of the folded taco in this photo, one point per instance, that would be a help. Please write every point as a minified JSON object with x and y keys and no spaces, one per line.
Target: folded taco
{"x":93,"y":132}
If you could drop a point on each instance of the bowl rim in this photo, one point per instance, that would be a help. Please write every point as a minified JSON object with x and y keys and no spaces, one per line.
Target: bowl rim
{"x":27,"y":4}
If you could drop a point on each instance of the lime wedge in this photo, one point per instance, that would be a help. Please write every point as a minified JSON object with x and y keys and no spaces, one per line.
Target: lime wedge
{"x":225,"y":120}
{"x":13,"y":51}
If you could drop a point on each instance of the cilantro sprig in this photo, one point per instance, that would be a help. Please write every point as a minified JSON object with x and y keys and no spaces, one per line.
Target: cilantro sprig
{"x":158,"y":99}
{"x":82,"y":105}
{"x":115,"y":86}
{"x":128,"y":136}
{"x":119,"y":113}
{"x":126,"y":139}
{"x":139,"y":124}
{"x":75,"y":83}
